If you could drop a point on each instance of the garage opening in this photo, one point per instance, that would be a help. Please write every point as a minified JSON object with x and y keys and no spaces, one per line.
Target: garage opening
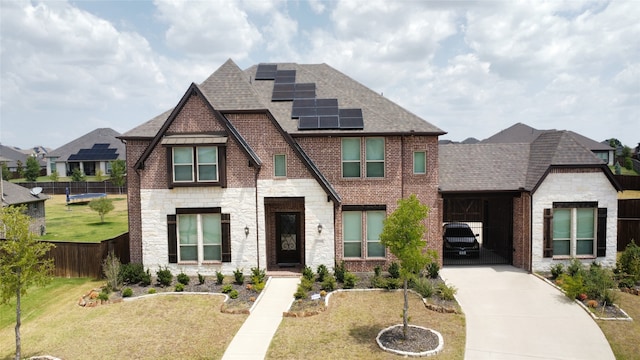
{"x":477,"y":230}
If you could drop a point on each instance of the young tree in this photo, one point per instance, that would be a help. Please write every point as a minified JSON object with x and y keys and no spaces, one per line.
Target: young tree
{"x":54,"y":176}
{"x":22,"y":261}
{"x":78,"y":175}
{"x":33,"y":169}
{"x":6,"y":173}
{"x":402,"y":233}
{"x":118,"y":173}
{"x":19,"y":169}
{"x":102,"y":206}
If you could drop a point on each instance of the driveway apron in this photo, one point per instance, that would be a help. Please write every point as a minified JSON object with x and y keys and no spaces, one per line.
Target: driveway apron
{"x":511,"y":314}
{"x":253,"y":339}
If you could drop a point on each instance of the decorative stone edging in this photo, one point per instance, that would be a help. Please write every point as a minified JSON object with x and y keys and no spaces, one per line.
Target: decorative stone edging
{"x":594,"y":316}
{"x":409,"y":353}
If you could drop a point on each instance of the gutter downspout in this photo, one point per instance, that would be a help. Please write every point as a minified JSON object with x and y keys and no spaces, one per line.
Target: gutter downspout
{"x":256,"y":171}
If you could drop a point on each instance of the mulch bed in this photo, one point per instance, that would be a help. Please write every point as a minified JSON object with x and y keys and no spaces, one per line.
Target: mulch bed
{"x":418,"y":340}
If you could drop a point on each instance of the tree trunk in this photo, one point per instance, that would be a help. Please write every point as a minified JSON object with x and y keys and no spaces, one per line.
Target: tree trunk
{"x":405,"y":311}
{"x":18,"y":313}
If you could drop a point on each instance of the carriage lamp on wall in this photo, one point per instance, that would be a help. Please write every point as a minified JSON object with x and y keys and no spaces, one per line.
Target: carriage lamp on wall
{"x":319,"y":228}
{"x":246,"y":230}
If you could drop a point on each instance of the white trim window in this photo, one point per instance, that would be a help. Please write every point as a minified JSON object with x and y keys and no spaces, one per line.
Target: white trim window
{"x":280,"y":165}
{"x":419,"y":162}
{"x":351,"y":157}
{"x":354,"y":232}
{"x":374,"y":155}
{"x":199,"y":238}
{"x":204,"y":168}
{"x":574,"y":232}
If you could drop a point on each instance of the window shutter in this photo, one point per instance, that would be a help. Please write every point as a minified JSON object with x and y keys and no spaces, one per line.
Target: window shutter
{"x":547,"y":233}
{"x":226,"y":237}
{"x":172,"y":238}
{"x":602,"y":232}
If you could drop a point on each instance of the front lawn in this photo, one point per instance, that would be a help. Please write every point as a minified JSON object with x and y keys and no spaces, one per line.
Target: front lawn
{"x":624,"y":336}
{"x":348,"y":328}
{"x":78,"y":223}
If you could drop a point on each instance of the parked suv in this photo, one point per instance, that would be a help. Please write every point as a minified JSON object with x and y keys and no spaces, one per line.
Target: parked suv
{"x":459,"y":240}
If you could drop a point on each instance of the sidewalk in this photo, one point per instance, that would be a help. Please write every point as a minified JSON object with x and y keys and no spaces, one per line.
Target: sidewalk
{"x":511,"y":314}
{"x":253,"y":339}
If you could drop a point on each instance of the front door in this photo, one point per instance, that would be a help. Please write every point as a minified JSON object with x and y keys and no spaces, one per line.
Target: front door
{"x":288,"y":238}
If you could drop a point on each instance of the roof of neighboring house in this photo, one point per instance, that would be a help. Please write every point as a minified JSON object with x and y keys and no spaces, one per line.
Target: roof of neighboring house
{"x":98,"y":145}
{"x":13,"y":194}
{"x":522,"y":133}
{"x":231,"y":89}
{"x":10,"y":156}
{"x":512,"y":166}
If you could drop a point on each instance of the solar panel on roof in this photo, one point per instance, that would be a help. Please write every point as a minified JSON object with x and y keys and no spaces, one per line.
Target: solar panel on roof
{"x":266,"y":72}
{"x":97,"y":152}
{"x":285,"y":76}
{"x":308,"y":123}
{"x":303,"y":111}
{"x":329,"y":122}
{"x":327,"y":102}
{"x":351,"y":119}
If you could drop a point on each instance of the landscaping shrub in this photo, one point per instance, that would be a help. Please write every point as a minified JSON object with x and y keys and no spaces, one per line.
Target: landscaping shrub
{"x":433,"y":269}
{"x":394,"y":270}
{"x":378,"y":282}
{"x":183,"y":278}
{"x":424,"y":287}
{"x":258,"y":275}
{"x":300,"y":293}
{"x":127,"y":292}
{"x":131,"y":273}
{"x":238,"y":275}
{"x":306,"y":284}
{"x":629,"y":261}
{"x":609,"y":297}
{"x":307,"y":273}
{"x":151,"y":291}
{"x":145,"y":279}
{"x":446,"y":292}
{"x":111,"y":270}
{"x":201,"y":279}
{"x":103,"y":296}
{"x":572,"y":285}
{"x":259,"y":286}
{"x":627,"y":282}
{"x":227,"y":288}
{"x":557,"y":270}
{"x":164,"y":276}
{"x":393,"y":283}
{"x":377,"y":271}
{"x":219,"y":278}
{"x":179,"y":287}
{"x":575,"y":267}
{"x":339,"y":271}
{"x":329,"y":283}
{"x":349,"y":280}
{"x":598,"y":281}
{"x":322,"y":273}
{"x":234,"y":294}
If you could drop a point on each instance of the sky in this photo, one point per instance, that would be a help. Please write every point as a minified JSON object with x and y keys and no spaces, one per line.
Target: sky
{"x":472,"y":68}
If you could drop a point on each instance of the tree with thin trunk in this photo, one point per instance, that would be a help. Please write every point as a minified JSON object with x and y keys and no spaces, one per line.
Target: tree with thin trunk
{"x":33,"y":169}
{"x":102,"y":206}
{"x":118,"y":173}
{"x":403,"y":234}
{"x":23,"y":260}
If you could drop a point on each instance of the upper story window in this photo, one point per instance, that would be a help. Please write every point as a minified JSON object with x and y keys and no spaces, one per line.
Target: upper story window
{"x":280,"y":165}
{"x":201,"y":163}
{"x":419,"y":162}
{"x":352,"y":161}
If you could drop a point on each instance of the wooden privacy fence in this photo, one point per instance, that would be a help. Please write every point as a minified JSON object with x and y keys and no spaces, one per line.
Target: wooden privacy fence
{"x":76,"y":187}
{"x":74,"y":259}
{"x":628,"y":182}
{"x":628,"y":222}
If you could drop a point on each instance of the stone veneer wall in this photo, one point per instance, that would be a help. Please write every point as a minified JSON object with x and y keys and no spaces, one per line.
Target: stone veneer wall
{"x":574,"y":186}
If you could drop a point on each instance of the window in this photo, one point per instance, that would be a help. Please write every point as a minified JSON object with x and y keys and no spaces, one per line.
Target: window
{"x":575,"y":229}
{"x":419,"y":162}
{"x":196,"y":164}
{"x":352,"y":222}
{"x":108,"y":167}
{"x":199,"y":236}
{"x":279,"y":165}
{"x":350,"y":157}
{"x":52,"y":163}
{"x":375,"y":157}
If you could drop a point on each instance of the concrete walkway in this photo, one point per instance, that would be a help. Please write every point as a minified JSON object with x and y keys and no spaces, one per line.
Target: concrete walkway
{"x":253,"y":339}
{"x":511,"y":315}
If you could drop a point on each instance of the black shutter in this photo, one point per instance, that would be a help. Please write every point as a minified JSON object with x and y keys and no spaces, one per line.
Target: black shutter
{"x":547,"y":233}
{"x":172,"y":239}
{"x":602,"y":232}
{"x":226,"y":237}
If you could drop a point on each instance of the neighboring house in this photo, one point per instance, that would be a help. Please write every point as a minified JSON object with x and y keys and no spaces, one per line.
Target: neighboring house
{"x":89,"y":153}
{"x":521,"y":133}
{"x":15,"y":195}
{"x":278,"y":166}
{"x":541,"y":201}
{"x":11,"y":157}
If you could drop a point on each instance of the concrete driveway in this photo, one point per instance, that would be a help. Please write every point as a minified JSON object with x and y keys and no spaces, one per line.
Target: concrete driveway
{"x":512,"y":314}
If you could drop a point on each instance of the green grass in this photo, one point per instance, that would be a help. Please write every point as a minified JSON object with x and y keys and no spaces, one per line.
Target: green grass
{"x":78,"y":223}
{"x":624,"y":336}
{"x":623,"y":170}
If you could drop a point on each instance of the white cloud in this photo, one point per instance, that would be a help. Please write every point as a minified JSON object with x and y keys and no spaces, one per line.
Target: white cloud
{"x":208,"y":29}
{"x":317,"y":6}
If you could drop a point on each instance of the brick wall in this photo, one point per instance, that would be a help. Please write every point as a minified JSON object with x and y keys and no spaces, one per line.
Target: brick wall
{"x":135,"y":148}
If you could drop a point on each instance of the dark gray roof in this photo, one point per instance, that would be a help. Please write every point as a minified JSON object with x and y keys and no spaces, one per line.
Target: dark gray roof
{"x":98,"y":136}
{"x":13,"y":194}
{"x":510,"y":166}
{"x":522,"y":133}
{"x":10,"y":156}
{"x":230,"y":89}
